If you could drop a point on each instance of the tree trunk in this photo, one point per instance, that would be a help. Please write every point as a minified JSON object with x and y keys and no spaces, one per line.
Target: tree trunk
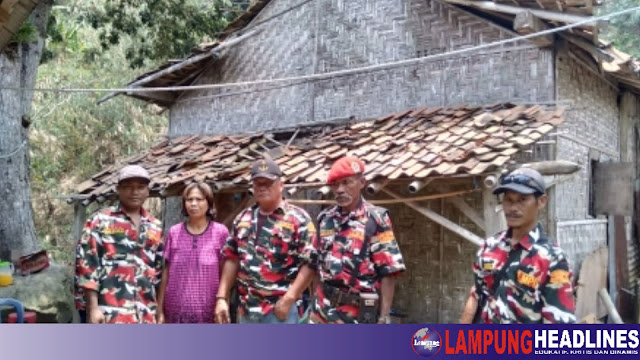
{"x":18,"y":69}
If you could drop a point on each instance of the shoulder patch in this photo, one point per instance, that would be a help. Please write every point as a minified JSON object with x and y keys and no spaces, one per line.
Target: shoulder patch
{"x":527,"y":279}
{"x":559,"y":277}
{"x":386,"y":237}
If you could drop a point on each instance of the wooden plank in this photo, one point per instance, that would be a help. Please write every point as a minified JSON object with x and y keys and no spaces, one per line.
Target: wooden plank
{"x":526,"y":23}
{"x":613,"y":184}
{"x":80,"y":216}
{"x":624,"y":300}
{"x":592,"y":277}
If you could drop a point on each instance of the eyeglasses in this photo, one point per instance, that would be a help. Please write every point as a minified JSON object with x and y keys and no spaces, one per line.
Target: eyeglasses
{"x":521,"y":179}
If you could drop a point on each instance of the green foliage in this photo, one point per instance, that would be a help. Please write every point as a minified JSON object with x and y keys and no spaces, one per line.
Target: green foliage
{"x":95,"y":44}
{"x":158,"y":29}
{"x":623,"y":31}
{"x":26,"y":34}
{"x":71,"y":137}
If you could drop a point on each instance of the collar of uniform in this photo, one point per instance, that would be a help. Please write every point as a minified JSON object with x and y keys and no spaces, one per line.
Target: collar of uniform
{"x":144,"y":215}
{"x":358,"y":212}
{"x":527,"y":241}
{"x":281,"y":209}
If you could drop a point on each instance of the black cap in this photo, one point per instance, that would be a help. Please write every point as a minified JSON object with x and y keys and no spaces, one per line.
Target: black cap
{"x":265,"y":168}
{"x":523,"y":181}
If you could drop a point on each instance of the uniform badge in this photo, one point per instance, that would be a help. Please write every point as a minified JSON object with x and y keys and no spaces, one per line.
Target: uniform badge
{"x":559,"y":277}
{"x":487,"y":264}
{"x":327,"y":233}
{"x":527,"y":279}
{"x":386,"y":237}
{"x":285,"y":225}
{"x":263,"y":166}
{"x":355,"y":167}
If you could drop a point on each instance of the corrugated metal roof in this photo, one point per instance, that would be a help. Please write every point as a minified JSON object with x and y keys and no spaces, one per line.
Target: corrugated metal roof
{"x":414,"y":144}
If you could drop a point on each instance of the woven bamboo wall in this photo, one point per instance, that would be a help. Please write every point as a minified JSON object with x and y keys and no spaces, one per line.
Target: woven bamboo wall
{"x":592,"y":129}
{"x":330,"y":35}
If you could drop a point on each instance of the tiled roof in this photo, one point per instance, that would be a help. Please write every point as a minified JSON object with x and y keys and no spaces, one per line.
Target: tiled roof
{"x":414,"y":144}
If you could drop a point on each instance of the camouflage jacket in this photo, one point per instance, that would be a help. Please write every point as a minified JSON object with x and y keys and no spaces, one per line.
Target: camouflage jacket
{"x":121,"y":265}
{"x":535,"y":287}
{"x":341,"y":239}
{"x":269,"y":261}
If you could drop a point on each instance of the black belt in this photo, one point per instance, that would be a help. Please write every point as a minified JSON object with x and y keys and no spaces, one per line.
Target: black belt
{"x":338,"y":297}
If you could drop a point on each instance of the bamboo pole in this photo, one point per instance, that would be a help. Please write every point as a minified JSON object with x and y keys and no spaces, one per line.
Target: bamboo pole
{"x":614,"y":316}
{"x":514,"y":10}
{"x":375,"y":186}
{"x":383,"y":201}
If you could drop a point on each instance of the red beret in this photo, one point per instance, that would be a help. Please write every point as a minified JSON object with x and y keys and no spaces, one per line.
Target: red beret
{"x":344,"y":167}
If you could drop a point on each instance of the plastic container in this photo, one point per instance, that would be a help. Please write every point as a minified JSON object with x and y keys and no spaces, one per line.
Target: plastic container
{"x":29,"y":317}
{"x":6,"y":273}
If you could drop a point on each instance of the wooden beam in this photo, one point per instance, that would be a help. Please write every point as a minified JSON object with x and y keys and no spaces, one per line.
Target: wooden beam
{"x":6,"y":7}
{"x":588,"y":47}
{"x":441,"y":220}
{"x":515,"y":10}
{"x":494,"y":220}
{"x":79,"y":218}
{"x":468,"y":211}
{"x":375,"y":186}
{"x":553,"y":167}
{"x":385,"y":201}
{"x":166,"y":98}
{"x":526,"y":23}
{"x":417,"y":185}
{"x":244,"y":203}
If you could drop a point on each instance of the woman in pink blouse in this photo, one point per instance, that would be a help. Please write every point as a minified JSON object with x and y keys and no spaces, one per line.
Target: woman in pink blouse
{"x":191,"y":275}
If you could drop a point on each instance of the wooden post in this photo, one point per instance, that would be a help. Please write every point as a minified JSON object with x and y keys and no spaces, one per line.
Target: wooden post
{"x":450,"y":225}
{"x":79,"y":218}
{"x":494,"y":220}
{"x":225,"y":205}
{"x":611,"y":234}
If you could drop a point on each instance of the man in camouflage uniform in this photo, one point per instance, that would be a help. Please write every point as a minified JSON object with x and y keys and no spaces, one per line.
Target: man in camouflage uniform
{"x":119,"y":257}
{"x":357,"y":251}
{"x":268,"y":252}
{"x":519,"y":275}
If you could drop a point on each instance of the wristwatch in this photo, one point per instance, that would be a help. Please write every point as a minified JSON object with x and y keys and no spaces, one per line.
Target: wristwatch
{"x":384,"y":319}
